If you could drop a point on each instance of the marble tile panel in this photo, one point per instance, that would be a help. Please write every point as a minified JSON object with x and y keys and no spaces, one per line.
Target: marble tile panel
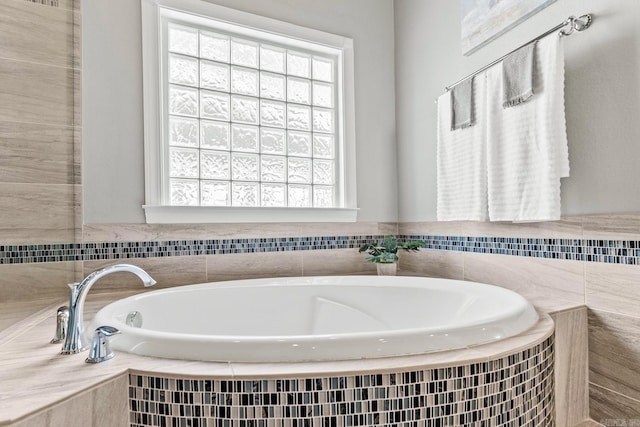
{"x":612,"y":227}
{"x":39,"y":419}
{"x":612,"y":409}
{"x":76,"y":109}
{"x":430,"y":263}
{"x":332,"y":262}
{"x":77,"y":156}
{"x":53,"y":41}
{"x":613,"y":287}
{"x":168,"y":272}
{"x":33,"y":282}
{"x":36,"y":93}
{"x":588,"y":423}
{"x":78,"y":210}
{"x":36,"y":213}
{"x":571,"y":366}
{"x":549,"y":284}
{"x":141,"y":232}
{"x":388,"y":229}
{"x":254,"y":265}
{"x":61,"y":4}
{"x":614,"y":353}
{"x":105,"y":405}
{"x":32,"y":153}
{"x":12,"y":313}
{"x":566,"y":228}
{"x":110,"y":403}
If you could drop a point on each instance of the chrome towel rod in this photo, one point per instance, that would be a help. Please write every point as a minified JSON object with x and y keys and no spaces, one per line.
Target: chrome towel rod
{"x":577,"y":24}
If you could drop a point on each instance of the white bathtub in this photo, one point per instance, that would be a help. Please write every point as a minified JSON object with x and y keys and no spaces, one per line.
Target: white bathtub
{"x":316,"y":318}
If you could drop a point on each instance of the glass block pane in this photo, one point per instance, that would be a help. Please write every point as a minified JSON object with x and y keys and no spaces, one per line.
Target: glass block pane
{"x":298,"y":90}
{"x":214,"y":165}
{"x":272,"y":113}
{"x":183,"y":131}
{"x":272,"y":59}
{"x":214,"y":105}
{"x":323,"y":94}
{"x":183,"y":101}
{"x":323,"y":172}
{"x":183,"y":163}
{"x":214,"y":135}
{"x":299,"y":170}
{"x":244,"y":109}
{"x":299,"y":196}
{"x":244,"y":52}
{"x":214,"y":76}
{"x":323,"y":146}
{"x":272,"y":86}
{"x":273,"y":168}
{"x":322,"y":197}
{"x":322,"y":69}
{"x":183,"y":70}
{"x":183,"y":192}
{"x":272,"y":141}
{"x":274,"y":195}
{"x":244,"y":167}
{"x":244,"y":138}
{"x":298,"y":64}
{"x":299,"y":144}
{"x":245,"y":194}
{"x":214,"y":193}
{"x":298,"y":117}
{"x":244,"y":81}
{"x":183,"y":40}
{"x":322,"y":120}
{"x":214,"y":47}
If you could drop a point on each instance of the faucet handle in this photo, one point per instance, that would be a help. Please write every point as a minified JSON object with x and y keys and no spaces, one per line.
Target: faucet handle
{"x":100,"y":349}
{"x":62,"y":321}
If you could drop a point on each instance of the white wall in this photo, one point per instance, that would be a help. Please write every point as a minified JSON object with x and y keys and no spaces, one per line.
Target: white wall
{"x":602,"y":98}
{"x":112,"y":99}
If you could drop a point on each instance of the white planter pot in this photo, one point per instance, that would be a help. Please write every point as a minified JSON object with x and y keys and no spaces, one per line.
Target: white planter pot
{"x":387,"y":268}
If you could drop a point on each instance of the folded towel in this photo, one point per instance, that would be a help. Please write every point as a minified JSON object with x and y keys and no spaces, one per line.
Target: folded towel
{"x":462,"y":105}
{"x":461,"y":162}
{"x":517,"y":76}
{"x":527,"y":149}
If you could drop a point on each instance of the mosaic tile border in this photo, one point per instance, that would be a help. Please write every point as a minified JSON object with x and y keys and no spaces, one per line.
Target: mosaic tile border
{"x":606,"y":251}
{"x":53,"y":3}
{"x":515,"y":390}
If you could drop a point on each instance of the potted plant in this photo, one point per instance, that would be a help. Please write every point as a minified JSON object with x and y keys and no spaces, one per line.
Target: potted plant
{"x":385,"y":253}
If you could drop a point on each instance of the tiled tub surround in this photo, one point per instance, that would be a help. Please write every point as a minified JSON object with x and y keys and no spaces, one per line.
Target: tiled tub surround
{"x":36,"y":384}
{"x":515,"y":390}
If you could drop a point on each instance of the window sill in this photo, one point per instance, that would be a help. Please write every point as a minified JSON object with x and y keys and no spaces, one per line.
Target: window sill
{"x":209,"y":214}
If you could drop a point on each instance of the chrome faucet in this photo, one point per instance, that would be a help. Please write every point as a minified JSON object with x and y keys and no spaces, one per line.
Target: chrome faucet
{"x":76,"y":339}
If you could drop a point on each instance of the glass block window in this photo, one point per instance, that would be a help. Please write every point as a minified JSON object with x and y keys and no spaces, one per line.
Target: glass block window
{"x":249,"y":122}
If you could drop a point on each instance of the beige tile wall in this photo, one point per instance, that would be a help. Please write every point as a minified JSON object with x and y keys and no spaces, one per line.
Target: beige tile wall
{"x":611,"y":292}
{"x":106,"y":405}
{"x":40,"y":190}
{"x":39,"y":124}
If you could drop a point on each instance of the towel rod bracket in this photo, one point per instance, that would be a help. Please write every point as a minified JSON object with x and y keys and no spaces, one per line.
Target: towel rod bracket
{"x":577,"y":24}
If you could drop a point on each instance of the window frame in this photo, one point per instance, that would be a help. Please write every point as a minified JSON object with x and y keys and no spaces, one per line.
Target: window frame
{"x":155,"y":13}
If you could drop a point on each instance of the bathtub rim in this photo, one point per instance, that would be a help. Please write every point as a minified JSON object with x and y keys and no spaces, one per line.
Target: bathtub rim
{"x":478,"y":349}
{"x":179,"y":368}
{"x":265,"y":282}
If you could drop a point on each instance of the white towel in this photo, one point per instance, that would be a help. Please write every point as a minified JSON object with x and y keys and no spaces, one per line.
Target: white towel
{"x":461,"y":161}
{"x":527,"y":150}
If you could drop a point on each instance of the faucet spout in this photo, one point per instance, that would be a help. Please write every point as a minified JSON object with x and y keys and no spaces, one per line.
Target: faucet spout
{"x":76,"y":339}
